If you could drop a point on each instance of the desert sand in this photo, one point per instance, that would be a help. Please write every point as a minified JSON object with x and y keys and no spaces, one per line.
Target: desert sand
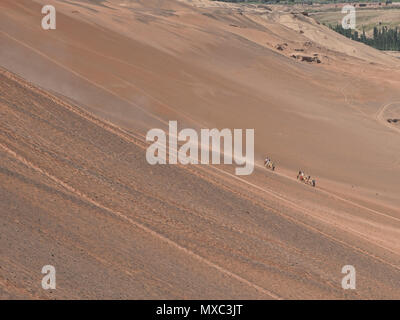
{"x":76,"y":191}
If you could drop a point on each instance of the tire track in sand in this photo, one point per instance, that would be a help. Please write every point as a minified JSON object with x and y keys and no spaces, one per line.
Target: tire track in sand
{"x":381,"y":111}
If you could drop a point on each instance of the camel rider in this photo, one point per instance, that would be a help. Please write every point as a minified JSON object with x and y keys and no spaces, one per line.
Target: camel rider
{"x":300,"y":175}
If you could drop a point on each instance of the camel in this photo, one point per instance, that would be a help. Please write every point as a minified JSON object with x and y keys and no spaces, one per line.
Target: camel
{"x":269,"y":164}
{"x":306,"y":179}
{"x":300,"y":176}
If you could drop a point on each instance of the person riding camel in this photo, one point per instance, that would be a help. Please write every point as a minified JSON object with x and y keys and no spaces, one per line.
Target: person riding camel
{"x":300,"y":176}
{"x":305,"y":178}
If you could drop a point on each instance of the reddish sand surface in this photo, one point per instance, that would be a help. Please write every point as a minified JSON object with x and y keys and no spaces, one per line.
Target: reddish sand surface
{"x":76,"y":191}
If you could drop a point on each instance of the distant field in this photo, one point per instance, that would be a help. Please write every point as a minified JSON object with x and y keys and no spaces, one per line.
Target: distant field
{"x":366,"y":18}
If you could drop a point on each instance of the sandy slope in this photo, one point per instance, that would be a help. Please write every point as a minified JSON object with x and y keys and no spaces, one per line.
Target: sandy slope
{"x":77,"y":192}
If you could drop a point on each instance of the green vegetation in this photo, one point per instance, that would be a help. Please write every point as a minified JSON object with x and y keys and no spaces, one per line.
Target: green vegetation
{"x":384,"y":38}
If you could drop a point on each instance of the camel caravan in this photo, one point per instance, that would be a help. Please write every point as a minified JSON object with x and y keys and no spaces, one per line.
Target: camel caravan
{"x":301,"y":176}
{"x":269,"y":164}
{"x":305,"y":178}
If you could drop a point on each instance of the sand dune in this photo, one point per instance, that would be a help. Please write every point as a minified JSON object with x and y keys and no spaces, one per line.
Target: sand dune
{"x":77,"y":192}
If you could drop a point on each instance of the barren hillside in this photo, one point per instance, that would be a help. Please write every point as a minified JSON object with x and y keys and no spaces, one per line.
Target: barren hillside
{"x":77,"y":193}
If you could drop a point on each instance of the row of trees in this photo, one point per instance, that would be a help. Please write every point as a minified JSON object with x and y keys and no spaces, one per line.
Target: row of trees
{"x":384,"y":38}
